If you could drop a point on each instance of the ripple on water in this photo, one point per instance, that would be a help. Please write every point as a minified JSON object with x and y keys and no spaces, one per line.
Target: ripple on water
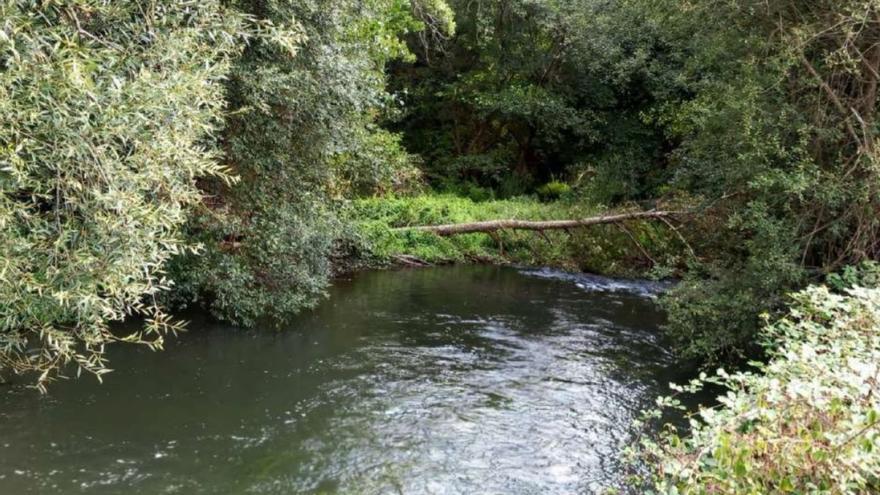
{"x":598,"y":283}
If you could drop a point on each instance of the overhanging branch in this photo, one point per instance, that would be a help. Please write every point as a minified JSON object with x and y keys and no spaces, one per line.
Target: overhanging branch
{"x":491,"y":226}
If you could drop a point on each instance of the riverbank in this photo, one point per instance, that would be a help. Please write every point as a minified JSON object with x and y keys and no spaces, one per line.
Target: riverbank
{"x":628,"y":249}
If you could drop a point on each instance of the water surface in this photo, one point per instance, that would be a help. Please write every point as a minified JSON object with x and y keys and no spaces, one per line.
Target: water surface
{"x":444,"y":380}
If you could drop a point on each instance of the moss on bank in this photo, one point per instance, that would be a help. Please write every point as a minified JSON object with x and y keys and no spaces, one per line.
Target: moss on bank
{"x":636,"y":248}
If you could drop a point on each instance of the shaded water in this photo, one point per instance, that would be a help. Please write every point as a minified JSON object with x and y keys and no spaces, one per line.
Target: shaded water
{"x":442,"y":380}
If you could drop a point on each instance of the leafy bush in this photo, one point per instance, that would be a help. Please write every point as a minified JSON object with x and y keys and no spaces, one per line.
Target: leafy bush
{"x":553,"y":191}
{"x":806,"y":422}
{"x":865,"y":274}
{"x":510,"y":103}
{"x":469,"y":190}
{"x":712,"y":313}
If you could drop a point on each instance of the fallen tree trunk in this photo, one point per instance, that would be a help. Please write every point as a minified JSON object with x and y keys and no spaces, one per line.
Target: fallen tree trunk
{"x":491,"y":226}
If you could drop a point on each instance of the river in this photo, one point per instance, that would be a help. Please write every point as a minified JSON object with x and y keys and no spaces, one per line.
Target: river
{"x":448,"y":380}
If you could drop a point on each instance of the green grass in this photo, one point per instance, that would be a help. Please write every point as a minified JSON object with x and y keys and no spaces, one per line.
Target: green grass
{"x":605,"y":249}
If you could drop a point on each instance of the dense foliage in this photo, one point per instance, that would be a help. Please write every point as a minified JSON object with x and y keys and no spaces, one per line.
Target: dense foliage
{"x":299,"y":124}
{"x":773,"y":104}
{"x":527,"y":91}
{"x":806,"y":422}
{"x":303,"y":136}
{"x":107,"y":111}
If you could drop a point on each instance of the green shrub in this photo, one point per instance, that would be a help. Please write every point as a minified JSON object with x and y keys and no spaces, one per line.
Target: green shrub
{"x":865,"y":274}
{"x":713,"y":311}
{"x":808,"y":421}
{"x":553,"y":191}
{"x":757,"y":136}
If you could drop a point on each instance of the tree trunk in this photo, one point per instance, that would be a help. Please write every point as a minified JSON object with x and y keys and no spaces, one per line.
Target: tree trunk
{"x":491,"y":226}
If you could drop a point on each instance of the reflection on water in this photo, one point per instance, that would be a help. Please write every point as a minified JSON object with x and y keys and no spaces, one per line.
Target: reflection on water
{"x":444,"y":380}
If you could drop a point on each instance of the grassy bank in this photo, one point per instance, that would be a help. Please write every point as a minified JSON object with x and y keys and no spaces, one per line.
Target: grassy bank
{"x":632,"y":249}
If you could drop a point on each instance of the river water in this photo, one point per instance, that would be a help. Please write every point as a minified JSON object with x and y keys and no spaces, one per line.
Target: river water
{"x":449,"y":380}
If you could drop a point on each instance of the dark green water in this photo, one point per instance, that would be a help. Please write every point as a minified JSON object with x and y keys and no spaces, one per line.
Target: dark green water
{"x":448,"y":380}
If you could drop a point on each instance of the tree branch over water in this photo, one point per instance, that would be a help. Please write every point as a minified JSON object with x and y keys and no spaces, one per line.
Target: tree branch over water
{"x":489,"y":226}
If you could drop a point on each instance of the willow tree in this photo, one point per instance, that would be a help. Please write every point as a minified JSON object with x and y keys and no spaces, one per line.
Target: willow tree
{"x":107,"y":112}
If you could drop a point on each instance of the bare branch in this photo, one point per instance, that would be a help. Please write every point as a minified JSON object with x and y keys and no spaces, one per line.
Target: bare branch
{"x":492,"y":226}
